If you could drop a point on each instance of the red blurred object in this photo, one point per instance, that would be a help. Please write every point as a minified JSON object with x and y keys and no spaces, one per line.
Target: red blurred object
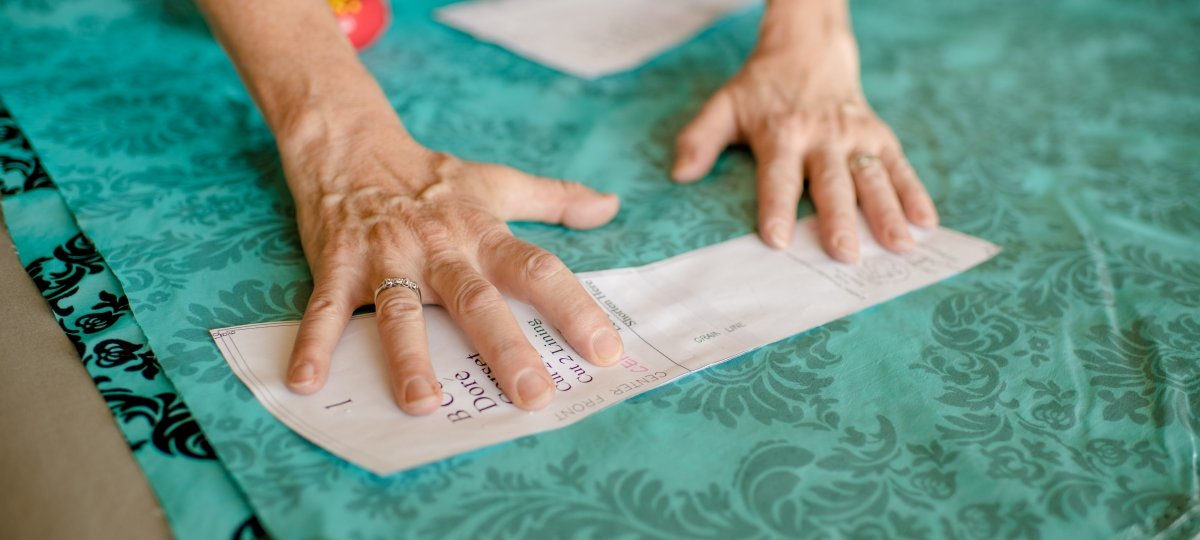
{"x":363,"y":21}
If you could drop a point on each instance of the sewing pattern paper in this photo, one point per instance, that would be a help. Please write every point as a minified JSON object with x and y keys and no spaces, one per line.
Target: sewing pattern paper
{"x":676,"y":317}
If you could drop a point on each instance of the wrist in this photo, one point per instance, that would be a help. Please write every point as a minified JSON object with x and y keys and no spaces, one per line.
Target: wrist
{"x":333,"y":148}
{"x":319,"y":99}
{"x":308,"y":125}
{"x":799,"y":25}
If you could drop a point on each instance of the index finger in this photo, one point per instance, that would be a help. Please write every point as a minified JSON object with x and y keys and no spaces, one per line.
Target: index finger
{"x":780,"y":184}
{"x":532,"y":274}
{"x":325,"y":318}
{"x":482,"y":313}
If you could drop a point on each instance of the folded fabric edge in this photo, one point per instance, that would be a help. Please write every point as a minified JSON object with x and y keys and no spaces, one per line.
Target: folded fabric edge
{"x":151,"y":401}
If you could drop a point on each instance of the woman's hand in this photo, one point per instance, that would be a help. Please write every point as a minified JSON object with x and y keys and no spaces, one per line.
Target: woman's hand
{"x":798,"y":103}
{"x":372,"y":204}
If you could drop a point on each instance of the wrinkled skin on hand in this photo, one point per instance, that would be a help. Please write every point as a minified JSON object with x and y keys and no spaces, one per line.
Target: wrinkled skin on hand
{"x":376,"y":206}
{"x":799,"y":106}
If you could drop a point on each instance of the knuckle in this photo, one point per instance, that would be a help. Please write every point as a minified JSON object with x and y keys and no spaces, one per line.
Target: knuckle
{"x":591,"y":315}
{"x":841,"y":219}
{"x":829,"y":176}
{"x":782,"y":174}
{"x":688,"y":139}
{"x":835,"y":127}
{"x":572,"y":187}
{"x":480,"y":220}
{"x":475,"y":297}
{"x":886,"y":135}
{"x":381,"y":232}
{"x":562,"y":187}
{"x":445,"y":165}
{"x":863,"y":125}
{"x":884,"y":211}
{"x":323,"y":306}
{"x":870,"y":179}
{"x":540,"y":266}
{"x":329,"y":205}
{"x":783,"y":121}
{"x":304,"y":353}
{"x":906,"y":184}
{"x":905,"y":175}
{"x":686,"y":134}
{"x":336,"y":270}
{"x":889,"y":219}
{"x":434,"y":235}
{"x":396,"y":308}
{"x":494,"y":239}
{"x":440,"y":264}
{"x":785,"y":128}
{"x":340,"y":245}
{"x":516,"y":349}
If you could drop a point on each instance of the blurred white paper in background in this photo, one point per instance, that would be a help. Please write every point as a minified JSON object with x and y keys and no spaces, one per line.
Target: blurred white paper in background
{"x":587,"y":38}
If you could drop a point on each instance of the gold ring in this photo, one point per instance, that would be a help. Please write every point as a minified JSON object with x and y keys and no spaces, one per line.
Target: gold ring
{"x":863,"y":161}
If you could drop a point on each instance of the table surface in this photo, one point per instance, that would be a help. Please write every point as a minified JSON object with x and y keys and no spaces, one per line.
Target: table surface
{"x":1051,"y":392}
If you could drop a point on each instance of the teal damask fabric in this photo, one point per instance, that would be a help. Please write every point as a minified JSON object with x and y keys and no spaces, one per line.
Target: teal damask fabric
{"x":92,"y":309}
{"x":1051,"y":393}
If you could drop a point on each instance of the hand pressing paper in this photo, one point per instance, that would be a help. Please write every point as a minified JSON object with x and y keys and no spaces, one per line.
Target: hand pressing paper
{"x":676,"y":316}
{"x":587,"y":38}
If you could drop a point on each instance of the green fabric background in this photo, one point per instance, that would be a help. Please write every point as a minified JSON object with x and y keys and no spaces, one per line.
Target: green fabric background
{"x":1051,"y":393}
{"x":197,"y":494}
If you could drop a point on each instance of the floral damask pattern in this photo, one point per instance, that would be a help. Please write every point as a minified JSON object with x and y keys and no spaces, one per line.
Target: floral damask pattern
{"x":1149,"y":372}
{"x":1051,"y":393}
{"x":173,"y":430}
{"x":119,"y":123}
{"x":754,"y":387}
{"x":20,"y":168}
{"x":93,"y":312}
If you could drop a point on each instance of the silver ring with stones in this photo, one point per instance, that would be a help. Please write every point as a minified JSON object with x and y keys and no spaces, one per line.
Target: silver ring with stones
{"x":398,"y":282}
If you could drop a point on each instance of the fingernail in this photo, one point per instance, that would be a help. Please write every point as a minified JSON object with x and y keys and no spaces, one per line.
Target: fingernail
{"x":777,"y":234}
{"x":924,"y":218}
{"x":844,"y":248}
{"x":607,"y":345}
{"x":899,"y":238}
{"x":928,"y":218}
{"x":532,"y":388}
{"x":682,"y":166}
{"x":302,"y":375}
{"x":419,"y":391}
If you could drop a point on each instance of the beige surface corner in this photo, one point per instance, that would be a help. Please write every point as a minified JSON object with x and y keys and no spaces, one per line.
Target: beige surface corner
{"x":65,"y":469}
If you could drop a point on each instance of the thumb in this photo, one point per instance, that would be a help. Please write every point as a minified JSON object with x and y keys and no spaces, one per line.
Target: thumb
{"x":526,"y":197}
{"x":702,"y":140}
